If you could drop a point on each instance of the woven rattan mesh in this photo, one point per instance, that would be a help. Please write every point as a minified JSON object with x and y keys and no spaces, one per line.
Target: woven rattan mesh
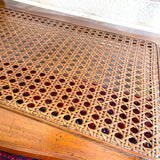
{"x":94,"y":82}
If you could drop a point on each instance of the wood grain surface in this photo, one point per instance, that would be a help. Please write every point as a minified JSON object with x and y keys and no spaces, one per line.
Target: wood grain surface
{"x":23,"y":135}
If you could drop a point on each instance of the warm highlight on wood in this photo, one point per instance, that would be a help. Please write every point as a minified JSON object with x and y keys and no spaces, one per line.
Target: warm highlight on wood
{"x":93,"y":83}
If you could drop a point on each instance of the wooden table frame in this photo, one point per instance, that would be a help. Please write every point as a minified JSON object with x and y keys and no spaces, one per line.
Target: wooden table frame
{"x":29,"y":137}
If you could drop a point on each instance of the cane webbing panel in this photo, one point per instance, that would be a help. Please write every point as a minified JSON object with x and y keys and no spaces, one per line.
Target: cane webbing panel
{"x":98,"y":83}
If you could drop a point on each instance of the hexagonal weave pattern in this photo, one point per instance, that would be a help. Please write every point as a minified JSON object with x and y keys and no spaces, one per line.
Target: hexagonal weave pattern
{"x":97,"y":83}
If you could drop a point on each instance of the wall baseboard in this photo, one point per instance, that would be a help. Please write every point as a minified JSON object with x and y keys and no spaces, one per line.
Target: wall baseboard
{"x":147,"y":22}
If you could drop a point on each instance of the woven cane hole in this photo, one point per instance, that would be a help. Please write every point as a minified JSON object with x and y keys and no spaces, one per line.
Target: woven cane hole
{"x":94,"y":83}
{"x":24,"y":69}
{"x":105,"y":131}
{"x":12,"y":80}
{"x":32,"y":87}
{"x":135,"y":120}
{"x":68,"y":90}
{"x":148,"y":99}
{"x":124,"y":107}
{"x":92,"y":89}
{"x":32,"y":72}
{"x":53,"y":93}
{"x":30,"y":105}
{"x":2,"y":77}
{"x":137,"y":96}
{"x":148,"y":106}
{"x":95,"y":116}
{"x":79,"y":121}
{"x":108,"y":121}
{"x":5,"y":87}
{"x":43,"y":109}
{"x":64,"y":97}
{"x":19,"y":101}
{"x":119,"y":135}
{"x":60,"y":105}
{"x":75,"y":100}
{"x":62,"y":80}
{"x":110,"y":111}
{"x":101,"y":100}
{"x":134,"y":130}
{"x":82,"y":86}
{"x":149,"y":115}
{"x":47,"y":83}
{"x":71,"y":109}
{"x":54,"y":113}
{"x":98,"y":108}
{"x":125,"y":100}
{"x":36,"y":97}
{"x":10,"y":71}
{"x":147,"y":145}
{"x":48,"y":101}
{"x":92,"y":126}
{"x":42,"y":74}
{"x":114,"y":96}
{"x":26,"y":94}
{"x":37,"y":80}
{"x":58,"y":87}
{"x":121,"y":125}
{"x":83,"y":112}
{"x":15,"y":90}
{"x":9,"y":97}
{"x":72,"y":83}
{"x":126,"y":93}
{"x":86,"y":104}
{"x":51,"y":77}
{"x":103,"y":93}
{"x":148,"y":134}
{"x":136,"y":111}
{"x":136,"y":103}
{"x":123,"y":116}
{"x":89,"y":96}
{"x":112,"y":103}
{"x":42,"y":90}
{"x":22,"y":83}
{"x":79,"y":93}
{"x":6,"y":64}
{"x":27,"y":77}
{"x":18,"y":74}
{"x":67,"y":117}
{"x":148,"y":124}
{"x":133,"y":140}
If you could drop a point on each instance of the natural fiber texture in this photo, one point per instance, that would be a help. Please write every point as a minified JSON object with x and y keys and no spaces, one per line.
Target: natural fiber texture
{"x":100,"y":84}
